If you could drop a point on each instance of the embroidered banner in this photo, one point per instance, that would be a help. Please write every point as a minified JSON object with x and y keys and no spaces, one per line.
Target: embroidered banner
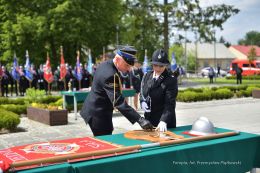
{"x":53,"y":148}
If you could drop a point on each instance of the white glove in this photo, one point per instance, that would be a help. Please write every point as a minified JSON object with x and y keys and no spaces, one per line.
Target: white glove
{"x":145,"y":107}
{"x":162,"y":126}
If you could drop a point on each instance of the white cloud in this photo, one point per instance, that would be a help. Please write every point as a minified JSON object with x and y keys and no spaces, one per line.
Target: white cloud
{"x":238,"y":25}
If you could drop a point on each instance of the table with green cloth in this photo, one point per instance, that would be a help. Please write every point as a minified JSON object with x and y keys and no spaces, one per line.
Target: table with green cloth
{"x":234,"y":154}
{"x":75,"y":97}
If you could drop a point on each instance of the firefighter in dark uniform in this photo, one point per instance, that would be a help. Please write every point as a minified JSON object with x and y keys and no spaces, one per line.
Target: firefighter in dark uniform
{"x":4,"y":82}
{"x":158,"y":93}
{"x":86,"y":78}
{"x":13,"y":83}
{"x":23,"y":82}
{"x":106,"y":94}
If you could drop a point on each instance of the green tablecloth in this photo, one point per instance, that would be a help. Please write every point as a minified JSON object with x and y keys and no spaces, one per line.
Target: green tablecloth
{"x":235,"y":154}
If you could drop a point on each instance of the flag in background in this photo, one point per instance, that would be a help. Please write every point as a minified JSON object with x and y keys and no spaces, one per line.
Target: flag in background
{"x":145,"y":63}
{"x":173,"y":62}
{"x":63,"y":69}
{"x":78,"y":71}
{"x":28,"y":73}
{"x":90,"y":70}
{"x":48,"y":76}
{"x":16,"y":69}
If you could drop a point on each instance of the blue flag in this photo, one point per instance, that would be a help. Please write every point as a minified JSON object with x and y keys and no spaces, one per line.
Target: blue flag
{"x":173,"y":62}
{"x":145,"y":63}
{"x":78,"y":72}
{"x":15,"y":71}
{"x":90,"y":62}
{"x":28,"y":73}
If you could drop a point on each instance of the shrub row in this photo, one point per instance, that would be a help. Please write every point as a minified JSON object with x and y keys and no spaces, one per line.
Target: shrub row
{"x":203,"y":94}
{"x":8,"y":120}
{"x":251,"y":77}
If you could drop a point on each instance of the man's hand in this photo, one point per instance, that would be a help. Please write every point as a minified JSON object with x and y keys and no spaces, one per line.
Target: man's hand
{"x":145,"y":124}
{"x":162,"y":126}
{"x":145,"y":107}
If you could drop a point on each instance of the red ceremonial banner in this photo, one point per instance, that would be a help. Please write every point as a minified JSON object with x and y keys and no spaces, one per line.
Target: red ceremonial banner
{"x":48,"y":76}
{"x":50,"y":149}
{"x":63,"y":69}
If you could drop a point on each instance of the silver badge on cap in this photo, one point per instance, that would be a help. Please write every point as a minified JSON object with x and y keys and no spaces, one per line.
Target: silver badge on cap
{"x":159,"y":56}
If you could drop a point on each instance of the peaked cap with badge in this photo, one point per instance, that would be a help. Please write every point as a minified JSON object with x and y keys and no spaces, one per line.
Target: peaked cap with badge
{"x":127,"y":53}
{"x":160,"y":57}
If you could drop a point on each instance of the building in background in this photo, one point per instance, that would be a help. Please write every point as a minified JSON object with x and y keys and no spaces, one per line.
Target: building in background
{"x":241,"y":52}
{"x":210,"y":54}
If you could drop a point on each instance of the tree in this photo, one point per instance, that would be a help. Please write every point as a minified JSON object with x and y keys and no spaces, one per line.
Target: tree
{"x":226,"y":43}
{"x":251,"y":55}
{"x":178,"y":14}
{"x":140,"y":26}
{"x":42,"y":26}
{"x":251,"y":38}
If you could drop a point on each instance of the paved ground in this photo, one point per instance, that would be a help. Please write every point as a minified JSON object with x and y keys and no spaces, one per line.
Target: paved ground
{"x":241,"y":114}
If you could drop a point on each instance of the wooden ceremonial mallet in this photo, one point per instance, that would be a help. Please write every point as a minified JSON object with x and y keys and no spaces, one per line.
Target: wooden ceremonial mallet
{"x":65,"y":158}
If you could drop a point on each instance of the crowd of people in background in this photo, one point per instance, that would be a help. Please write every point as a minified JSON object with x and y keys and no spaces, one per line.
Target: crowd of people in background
{"x":12,"y":87}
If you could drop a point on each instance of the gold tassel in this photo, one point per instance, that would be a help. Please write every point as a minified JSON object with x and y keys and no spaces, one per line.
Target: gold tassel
{"x":120,"y":87}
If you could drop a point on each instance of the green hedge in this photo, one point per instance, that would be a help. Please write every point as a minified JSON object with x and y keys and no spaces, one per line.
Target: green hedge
{"x":251,"y":77}
{"x":18,"y":109}
{"x":8,"y":120}
{"x":225,"y":92}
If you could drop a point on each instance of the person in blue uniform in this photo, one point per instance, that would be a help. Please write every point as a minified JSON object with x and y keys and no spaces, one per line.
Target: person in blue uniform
{"x":158,"y":93}
{"x":106,"y":94}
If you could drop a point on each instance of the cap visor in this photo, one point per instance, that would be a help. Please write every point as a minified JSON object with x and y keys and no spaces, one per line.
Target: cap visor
{"x":159,"y":63}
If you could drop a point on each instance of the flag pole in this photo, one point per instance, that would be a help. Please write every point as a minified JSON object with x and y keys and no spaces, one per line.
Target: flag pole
{"x":114,"y":151}
{"x":18,"y":88}
{"x":1,"y":84}
{"x":64,"y":83}
{"x":78,"y":54}
{"x":49,"y":92}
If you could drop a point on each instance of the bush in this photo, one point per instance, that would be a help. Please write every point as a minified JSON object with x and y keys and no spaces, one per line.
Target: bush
{"x":49,"y":99}
{"x":34,"y":95}
{"x":18,"y":109}
{"x":8,"y":120}
{"x":17,"y":101}
{"x":4,"y":100}
{"x":187,"y":96}
{"x":223,"y":93}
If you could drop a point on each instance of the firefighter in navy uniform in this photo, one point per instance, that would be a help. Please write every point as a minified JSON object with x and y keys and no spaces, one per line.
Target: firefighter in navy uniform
{"x":106,"y":94}
{"x":158,"y":93}
{"x":4,"y":82}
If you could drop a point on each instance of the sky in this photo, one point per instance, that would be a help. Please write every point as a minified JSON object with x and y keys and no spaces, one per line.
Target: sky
{"x":236,"y":27}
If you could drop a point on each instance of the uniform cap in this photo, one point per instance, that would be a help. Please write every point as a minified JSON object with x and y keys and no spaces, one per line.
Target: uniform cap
{"x":127,"y":53}
{"x":160,"y":57}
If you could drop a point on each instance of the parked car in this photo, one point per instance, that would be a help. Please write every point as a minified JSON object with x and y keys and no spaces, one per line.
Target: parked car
{"x":205,"y":72}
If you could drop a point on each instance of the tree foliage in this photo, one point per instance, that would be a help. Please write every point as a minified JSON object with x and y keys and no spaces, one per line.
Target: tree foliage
{"x":251,"y":38}
{"x":40,"y":26}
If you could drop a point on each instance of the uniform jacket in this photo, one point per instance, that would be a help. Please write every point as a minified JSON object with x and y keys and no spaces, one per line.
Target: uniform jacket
{"x":136,"y":77}
{"x":161,"y":96}
{"x":101,"y":100}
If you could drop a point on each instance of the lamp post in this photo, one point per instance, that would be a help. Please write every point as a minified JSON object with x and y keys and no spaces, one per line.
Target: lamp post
{"x":215,"y":57}
{"x":117,"y":35}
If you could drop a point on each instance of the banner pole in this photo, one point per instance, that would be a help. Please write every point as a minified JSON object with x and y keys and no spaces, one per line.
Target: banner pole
{"x":65,"y":158}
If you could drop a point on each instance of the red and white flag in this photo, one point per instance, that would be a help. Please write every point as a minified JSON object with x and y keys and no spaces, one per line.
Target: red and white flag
{"x":63,"y":69}
{"x":48,"y":76}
